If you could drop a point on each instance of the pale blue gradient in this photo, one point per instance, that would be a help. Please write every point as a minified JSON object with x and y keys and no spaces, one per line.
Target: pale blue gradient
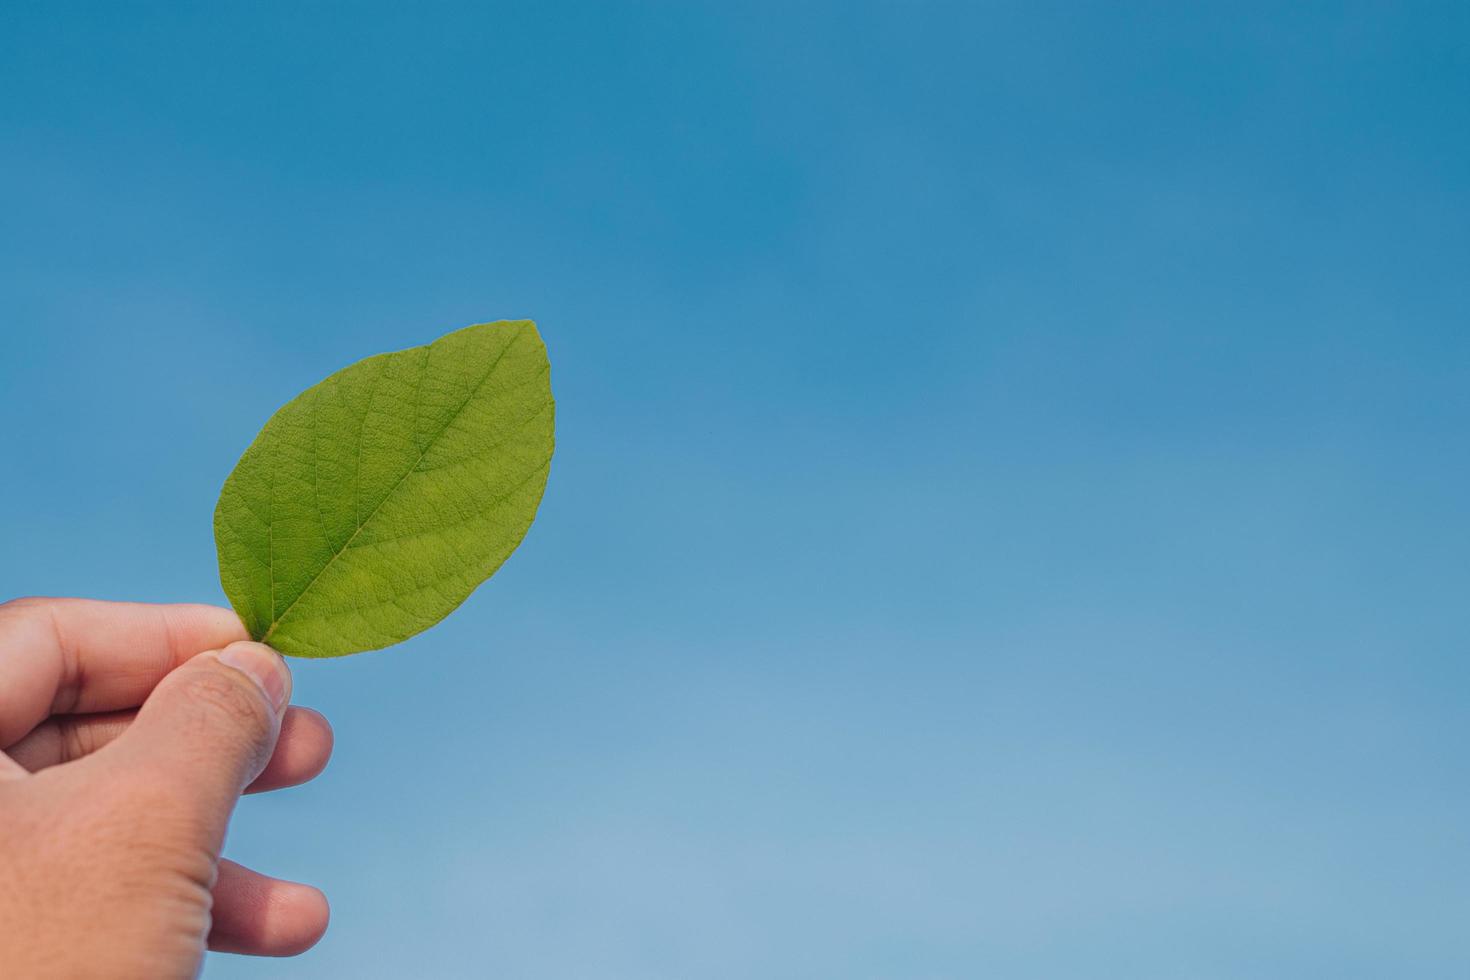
{"x":1010,"y":508}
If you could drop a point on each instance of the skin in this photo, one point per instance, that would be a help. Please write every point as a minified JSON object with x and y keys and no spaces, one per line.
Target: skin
{"x":127,"y":734}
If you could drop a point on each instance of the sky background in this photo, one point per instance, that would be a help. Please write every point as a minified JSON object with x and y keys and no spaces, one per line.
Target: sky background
{"x":1009,"y":516}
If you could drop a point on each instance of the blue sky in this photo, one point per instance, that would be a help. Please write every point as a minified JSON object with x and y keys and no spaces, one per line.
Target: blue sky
{"x":1010,"y":508}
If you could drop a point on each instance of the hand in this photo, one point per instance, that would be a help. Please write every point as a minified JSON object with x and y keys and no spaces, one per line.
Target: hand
{"x":123,"y":749}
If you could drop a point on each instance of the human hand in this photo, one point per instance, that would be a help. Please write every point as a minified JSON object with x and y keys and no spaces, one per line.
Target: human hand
{"x":124,"y":746}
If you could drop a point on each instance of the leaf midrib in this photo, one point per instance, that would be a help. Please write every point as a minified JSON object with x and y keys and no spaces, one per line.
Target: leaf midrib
{"x":459,"y":410}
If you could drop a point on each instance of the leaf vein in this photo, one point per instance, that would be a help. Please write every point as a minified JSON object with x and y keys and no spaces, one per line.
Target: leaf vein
{"x":277,"y":620}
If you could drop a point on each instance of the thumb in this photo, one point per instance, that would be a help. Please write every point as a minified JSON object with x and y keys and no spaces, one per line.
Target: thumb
{"x":209,"y":728}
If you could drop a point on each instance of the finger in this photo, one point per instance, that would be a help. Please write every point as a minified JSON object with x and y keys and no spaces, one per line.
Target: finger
{"x":59,"y":656}
{"x":206,"y":732}
{"x":302,"y":751}
{"x":66,"y":738}
{"x":264,"y":916}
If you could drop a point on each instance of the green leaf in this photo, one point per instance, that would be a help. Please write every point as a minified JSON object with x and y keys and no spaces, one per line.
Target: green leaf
{"x":372,"y":504}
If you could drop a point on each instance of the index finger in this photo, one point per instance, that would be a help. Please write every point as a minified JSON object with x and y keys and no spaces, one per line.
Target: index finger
{"x":64,"y":656}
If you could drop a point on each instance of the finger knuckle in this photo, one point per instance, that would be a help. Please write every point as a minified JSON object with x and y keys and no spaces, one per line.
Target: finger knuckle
{"x":229,"y":704}
{"x":75,"y":739}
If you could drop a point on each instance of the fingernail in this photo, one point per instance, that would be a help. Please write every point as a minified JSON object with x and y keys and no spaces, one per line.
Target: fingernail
{"x":262,"y":665}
